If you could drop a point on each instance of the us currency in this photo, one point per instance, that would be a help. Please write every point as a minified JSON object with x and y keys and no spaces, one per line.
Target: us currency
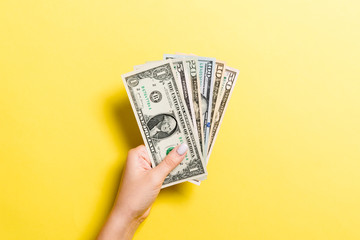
{"x":206,"y":78}
{"x":184,"y":83}
{"x":163,"y":119}
{"x":221,"y":88}
{"x":183,"y":79}
{"x":191,"y":72}
{"x":219,"y":74}
{"x":191,"y":69}
{"x":179,"y":67}
{"x":229,"y":80}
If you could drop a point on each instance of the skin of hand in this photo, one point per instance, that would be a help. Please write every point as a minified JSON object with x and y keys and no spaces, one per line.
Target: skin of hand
{"x":138,"y":190}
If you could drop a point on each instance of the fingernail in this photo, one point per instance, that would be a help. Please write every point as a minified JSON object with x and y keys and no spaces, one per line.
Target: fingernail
{"x":182,"y":149}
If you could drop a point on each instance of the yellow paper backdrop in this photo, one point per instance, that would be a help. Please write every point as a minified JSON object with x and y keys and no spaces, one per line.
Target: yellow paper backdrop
{"x":286,"y":164}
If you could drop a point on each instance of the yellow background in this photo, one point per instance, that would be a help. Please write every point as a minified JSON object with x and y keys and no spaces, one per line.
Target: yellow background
{"x":287,"y":159}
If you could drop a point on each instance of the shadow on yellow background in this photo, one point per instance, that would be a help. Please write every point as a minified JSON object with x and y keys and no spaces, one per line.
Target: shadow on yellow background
{"x":122,"y":122}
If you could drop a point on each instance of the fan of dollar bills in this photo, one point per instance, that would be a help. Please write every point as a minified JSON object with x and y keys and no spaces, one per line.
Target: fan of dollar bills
{"x":181,"y":99}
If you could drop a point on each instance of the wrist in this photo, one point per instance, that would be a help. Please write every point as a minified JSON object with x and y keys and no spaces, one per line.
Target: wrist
{"x":120,"y":225}
{"x":124,"y":212}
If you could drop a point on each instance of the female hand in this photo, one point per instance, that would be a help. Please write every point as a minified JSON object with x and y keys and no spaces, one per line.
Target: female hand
{"x":138,"y":190}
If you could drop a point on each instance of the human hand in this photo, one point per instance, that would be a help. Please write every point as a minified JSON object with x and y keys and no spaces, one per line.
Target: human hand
{"x":138,"y":190}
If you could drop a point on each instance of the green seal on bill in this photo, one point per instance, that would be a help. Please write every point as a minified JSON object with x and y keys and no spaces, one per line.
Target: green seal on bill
{"x":169,"y":150}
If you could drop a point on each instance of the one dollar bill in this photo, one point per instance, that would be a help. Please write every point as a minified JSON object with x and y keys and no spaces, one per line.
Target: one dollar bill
{"x":163,"y":119}
{"x":185,"y":72}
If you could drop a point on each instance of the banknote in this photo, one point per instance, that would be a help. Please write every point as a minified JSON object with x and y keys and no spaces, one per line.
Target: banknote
{"x":183,"y":78}
{"x":163,"y":119}
{"x":219,"y":74}
{"x":206,"y":78}
{"x":229,"y":80}
{"x":191,"y":69}
{"x":221,"y":89}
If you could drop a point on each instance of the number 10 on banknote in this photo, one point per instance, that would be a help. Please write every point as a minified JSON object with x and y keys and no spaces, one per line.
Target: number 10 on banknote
{"x":163,"y":119}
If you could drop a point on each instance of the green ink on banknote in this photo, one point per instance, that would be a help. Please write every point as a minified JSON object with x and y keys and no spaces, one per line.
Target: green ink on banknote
{"x":146,"y":97}
{"x":169,"y":150}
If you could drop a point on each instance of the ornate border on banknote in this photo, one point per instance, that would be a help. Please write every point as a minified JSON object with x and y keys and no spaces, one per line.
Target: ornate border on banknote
{"x":164,"y":73}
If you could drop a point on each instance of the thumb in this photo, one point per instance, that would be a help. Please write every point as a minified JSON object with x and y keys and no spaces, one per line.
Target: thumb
{"x":173,"y":159}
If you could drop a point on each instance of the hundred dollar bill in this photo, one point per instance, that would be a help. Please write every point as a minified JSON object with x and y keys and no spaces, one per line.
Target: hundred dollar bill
{"x":206,"y":79}
{"x":229,"y":80}
{"x":163,"y":119}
